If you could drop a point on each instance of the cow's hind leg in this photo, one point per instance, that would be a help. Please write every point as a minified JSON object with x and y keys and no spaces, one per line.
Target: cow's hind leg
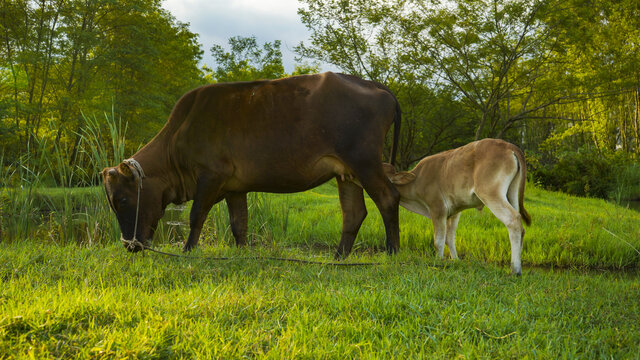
{"x":510,"y":217}
{"x":207,"y":194}
{"x":353,"y":213}
{"x":238,"y":217}
{"x":385,"y":196}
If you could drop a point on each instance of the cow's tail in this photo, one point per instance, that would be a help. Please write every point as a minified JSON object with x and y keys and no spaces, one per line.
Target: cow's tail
{"x":522,"y":165}
{"x":397,"y":117}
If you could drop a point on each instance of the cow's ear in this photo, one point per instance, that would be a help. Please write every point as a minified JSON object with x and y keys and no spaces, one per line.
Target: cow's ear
{"x":109,"y":172}
{"x":125,"y":170}
{"x":402,"y":178}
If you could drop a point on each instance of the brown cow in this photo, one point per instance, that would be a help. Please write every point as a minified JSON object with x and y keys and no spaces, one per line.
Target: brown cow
{"x":487,"y":172}
{"x":288,"y":135}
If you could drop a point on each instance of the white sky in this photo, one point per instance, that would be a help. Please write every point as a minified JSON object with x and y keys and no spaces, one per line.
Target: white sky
{"x":218,"y":20}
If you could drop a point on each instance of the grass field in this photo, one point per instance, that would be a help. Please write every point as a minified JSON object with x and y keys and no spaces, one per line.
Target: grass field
{"x":578,"y":296}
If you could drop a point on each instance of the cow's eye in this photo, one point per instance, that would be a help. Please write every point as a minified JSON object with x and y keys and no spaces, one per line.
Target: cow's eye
{"x":123,"y":201}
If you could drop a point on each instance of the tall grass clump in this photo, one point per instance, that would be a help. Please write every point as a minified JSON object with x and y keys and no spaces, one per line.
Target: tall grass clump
{"x":627,"y":183}
{"x":43,"y":196}
{"x":103,"y":148}
{"x":17,"y":183}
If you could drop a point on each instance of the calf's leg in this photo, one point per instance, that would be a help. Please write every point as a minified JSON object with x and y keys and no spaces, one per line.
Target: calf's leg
{"x":238,"y":217}
{"x":353,"y":214}
{"x":510,"y":217}
{"x":439,"y":234}
{"x":452,"y":226}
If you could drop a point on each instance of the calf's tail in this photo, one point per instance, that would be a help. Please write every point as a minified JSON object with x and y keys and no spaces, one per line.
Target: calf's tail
{"x":523,"y":180}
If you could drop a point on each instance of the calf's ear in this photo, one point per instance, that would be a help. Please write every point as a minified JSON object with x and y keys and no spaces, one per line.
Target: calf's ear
{"x":388,"y":169}
{"x":402,"y":178}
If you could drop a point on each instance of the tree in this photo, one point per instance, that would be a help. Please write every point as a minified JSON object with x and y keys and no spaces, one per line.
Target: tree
{"x":247,"y":61}
{"x":29,"y":31}
{"x":148,"y":61}
{"x":492,"y":52}
{"x":518,"y":69}
{"x":598,"y":63}
{"x":62,"y":58}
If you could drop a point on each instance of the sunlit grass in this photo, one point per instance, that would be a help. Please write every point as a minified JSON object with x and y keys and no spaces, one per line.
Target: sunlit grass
{"x":91,"y":302}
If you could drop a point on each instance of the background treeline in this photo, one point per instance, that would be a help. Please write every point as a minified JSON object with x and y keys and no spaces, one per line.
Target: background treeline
{"x":60,"y":58}
{"x":558,"y":78}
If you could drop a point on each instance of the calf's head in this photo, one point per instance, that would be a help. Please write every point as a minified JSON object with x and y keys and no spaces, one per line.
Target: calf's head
{"x":398,"y":178}
{"x":124,"y":185}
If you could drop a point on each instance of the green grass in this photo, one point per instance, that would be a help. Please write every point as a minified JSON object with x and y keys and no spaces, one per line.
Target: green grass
{"x":577,"y":297}
{"x":101,"y":302}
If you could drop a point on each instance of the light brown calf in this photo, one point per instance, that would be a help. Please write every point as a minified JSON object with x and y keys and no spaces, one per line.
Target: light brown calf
{"x":487,"y":172}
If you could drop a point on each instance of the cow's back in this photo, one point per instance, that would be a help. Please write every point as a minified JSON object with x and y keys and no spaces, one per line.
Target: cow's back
{"x":276,"y":132}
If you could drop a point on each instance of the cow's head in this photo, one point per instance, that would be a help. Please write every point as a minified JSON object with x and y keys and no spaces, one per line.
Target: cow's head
{"x":122,"y":184}
{"x":398,"y":178}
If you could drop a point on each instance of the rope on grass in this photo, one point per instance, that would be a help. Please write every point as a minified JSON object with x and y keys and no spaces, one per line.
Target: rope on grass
{"x":137,"y":244}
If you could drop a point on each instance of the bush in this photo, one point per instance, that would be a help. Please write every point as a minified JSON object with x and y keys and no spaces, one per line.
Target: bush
{"x":608,"y":175}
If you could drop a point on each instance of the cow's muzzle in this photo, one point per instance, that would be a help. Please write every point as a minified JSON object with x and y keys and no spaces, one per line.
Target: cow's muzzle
{"x":134,"y":245}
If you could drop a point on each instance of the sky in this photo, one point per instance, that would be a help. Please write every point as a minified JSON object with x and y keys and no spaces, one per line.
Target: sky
{"x":217,"y":20}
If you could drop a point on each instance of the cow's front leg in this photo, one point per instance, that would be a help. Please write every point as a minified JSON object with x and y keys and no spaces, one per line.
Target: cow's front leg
{"x":452,"y":226}
{"x":238,"y":217}
{"x":439,"y":234}
{"x":207,"y":194}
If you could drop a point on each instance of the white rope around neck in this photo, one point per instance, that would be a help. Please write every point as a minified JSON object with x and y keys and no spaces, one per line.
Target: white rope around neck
{"x":138,"y":175}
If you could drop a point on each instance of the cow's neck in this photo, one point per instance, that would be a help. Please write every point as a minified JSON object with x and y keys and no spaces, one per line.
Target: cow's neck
{"x":158,"y":164}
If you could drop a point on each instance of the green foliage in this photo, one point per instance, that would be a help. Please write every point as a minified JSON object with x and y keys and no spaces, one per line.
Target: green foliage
{"x":246,"y":61}
{"x":61,"y":214}
{"x":433,"y":122}
{"x":487,"y":53}
{"x":63,"y":56}
{"x":578,"y":173}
